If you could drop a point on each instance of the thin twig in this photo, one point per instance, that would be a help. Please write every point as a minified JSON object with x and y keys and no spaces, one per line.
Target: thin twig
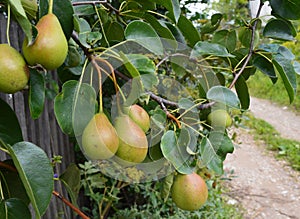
{"x":94,"y":3}
{"x":175,"y":104}
{"x":250,"y":53}
{"x":8,"y":166}
{"x":80,"y":213}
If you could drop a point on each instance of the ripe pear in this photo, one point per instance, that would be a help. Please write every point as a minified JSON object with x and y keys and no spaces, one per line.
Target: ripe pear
{"x":133,"y":145}
{"x":219,"y":118}
{"x":189,"y":192}
{"x":99,"y":139}
{"x":50,"y":47}
{"x":139,"y":116}
{"x":14,"y":73}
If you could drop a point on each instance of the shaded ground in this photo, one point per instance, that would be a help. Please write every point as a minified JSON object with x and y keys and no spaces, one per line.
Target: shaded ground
{"x":266,"y":187}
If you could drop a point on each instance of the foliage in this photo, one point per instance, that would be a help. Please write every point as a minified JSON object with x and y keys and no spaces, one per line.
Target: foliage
{"x":284,"y":148}
{"x":148,"y":53}
{"x":145,"y":200}
{"x":261,"y":86}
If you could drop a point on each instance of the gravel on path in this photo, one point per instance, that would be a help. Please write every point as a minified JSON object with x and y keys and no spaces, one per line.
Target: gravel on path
{"x":266,"y":188}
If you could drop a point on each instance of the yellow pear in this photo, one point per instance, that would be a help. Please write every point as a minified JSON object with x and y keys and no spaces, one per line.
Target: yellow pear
{"x":50,"y":47}
{"x":133,"y":145}
{"x":99,"y":138}
{"x":14,"y":73}
{"x":189,"y":191}
{"x":139,"y":116}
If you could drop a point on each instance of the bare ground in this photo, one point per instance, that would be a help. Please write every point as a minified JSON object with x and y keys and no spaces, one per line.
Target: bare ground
{"x":265,"y":187}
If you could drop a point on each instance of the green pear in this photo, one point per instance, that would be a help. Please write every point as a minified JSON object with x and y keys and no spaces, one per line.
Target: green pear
{"x":189,"y":191}
{"x":133,"y":145}
{"x":219,"y":118}
{"x":14,"y":73}
{"x":139,"y":116}
{"x":99,"y":139}
{"x":50,"y":47}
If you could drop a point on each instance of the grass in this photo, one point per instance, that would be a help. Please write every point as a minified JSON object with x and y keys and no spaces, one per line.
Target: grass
{"x":261,"y":86}
{"x":286,"y":149}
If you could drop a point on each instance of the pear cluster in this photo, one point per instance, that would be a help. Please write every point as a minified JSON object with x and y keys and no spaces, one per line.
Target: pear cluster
{"x":125,"y":141}
{"x":49,"y":50}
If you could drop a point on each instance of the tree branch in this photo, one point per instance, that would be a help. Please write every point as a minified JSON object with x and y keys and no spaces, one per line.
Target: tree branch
{"x":250,"y":53}
{"x":80,"y":213}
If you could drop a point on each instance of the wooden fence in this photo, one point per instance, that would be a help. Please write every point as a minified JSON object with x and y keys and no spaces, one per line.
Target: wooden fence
{"x":44,"y":131}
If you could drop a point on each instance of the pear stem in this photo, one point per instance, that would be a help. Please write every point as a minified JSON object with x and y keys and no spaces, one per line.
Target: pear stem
{"x":8,"y":24}
{"x":50,"y":9}
{"x":98,"y":69}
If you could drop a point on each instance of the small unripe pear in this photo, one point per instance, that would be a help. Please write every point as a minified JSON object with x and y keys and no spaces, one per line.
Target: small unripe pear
{"x":189,"y":192}
{"x":219,"y":118}
{"x":50,"y":47}
{"x":99,"y":138}
{"x":139,"y":116}
{"x":133,"y":145}
{"x":14,"y":73}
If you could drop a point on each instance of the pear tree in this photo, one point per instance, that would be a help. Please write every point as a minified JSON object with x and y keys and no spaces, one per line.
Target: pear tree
{"x":147,"y":91}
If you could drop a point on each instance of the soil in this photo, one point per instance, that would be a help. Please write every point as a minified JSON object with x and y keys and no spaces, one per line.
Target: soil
{"x":264,"y":186}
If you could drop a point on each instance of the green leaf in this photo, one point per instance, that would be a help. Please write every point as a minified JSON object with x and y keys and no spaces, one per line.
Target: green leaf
{"x":167,"y":185}
{"x":279,"y":29}
{"x":83,"y":28}
{"x":223,"y":95}
{"x":10,"y":130}
{"x":206,"y":48}
{"x":288,"y":9}
{"x":175,"y":153}
{"x":36,"y":97}
{"x":209,"y":156}
{"x":158,"y":123}
{"x":37,"y":176}
{"x":144,"y":66}
{"x":297,"y":67}
{"x":213,"y":25}
{"x":226,"y":38}
{"x":172,"y":6}
{"x":176,"y":33}
{"x":286,"y":70}
{"x":188,"y":30}
{"x":12,"y":185}
{"x":143,"y":34}
{"x":14,"y":208}
{"x":129,"y":66}
{"x":161,"y":30}
{"x":114,"y":32}
{"x":63,"y":9}
{"x":20,"y":15}
{"x":266,"y":67}
{"x":222,"y":144}
{"x":141,"y":5}
{"x":74,"y":107}
{"x":71,"y":180}
{"x":242,"y":92}
{"x":84,"y":10}
{"x":142,"y":63}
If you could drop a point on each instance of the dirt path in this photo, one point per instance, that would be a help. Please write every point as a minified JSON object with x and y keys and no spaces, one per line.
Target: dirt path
{"x":266,"y":188}
{"x":283,"y":120}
